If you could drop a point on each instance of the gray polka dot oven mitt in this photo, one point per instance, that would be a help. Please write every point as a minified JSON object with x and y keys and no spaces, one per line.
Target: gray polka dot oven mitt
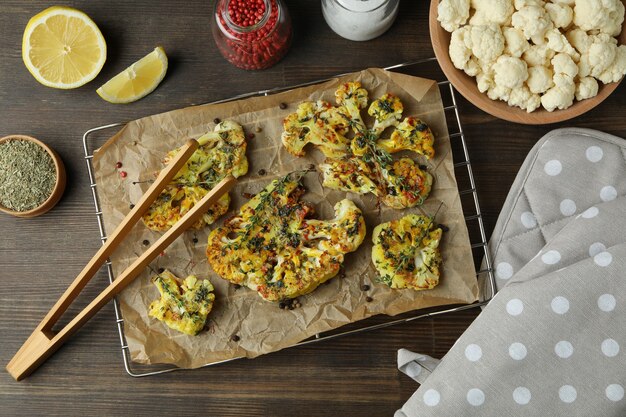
{"x":552,"y":341}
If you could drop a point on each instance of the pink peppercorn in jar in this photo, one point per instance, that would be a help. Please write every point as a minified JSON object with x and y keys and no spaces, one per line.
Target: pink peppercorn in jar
{"x":252,"y":34}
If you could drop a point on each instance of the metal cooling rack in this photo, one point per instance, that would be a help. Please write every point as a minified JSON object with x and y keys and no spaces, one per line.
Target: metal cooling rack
{"x":467,"y":191}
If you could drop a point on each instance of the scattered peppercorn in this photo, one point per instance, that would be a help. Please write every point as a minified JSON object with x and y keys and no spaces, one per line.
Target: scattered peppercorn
{"x":369,"y":299}
{"x":123,"y":174}
{"x":161,"y":270}
{"x":162,"y":253}
{"x":262,"y":172}
{"x":282,"y":305}
{"x":194,"y":240}
{"x":283,"y":106}
{"x":311,"y":167}
{"x":146,"y":242}
{"x":423,"y":167}
{"x":216,"y":120}
{"x":237,"y":286}
{"x":235,"y":338}
{"x":132,"y":206}
{"x":444,"y":228}
{"x":118,"y":165}
{"x":250,"y":136}
{"x":247,"y":195}
{"x":258,"y":129}
{"x":365,"y":287}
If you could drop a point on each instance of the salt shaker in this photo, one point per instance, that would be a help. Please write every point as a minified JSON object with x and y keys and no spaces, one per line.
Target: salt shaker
{"x":360,"y":20}
{"x":252,"y":34}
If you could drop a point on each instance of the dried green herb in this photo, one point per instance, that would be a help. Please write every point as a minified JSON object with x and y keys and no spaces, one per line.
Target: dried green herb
{"x":27,"y":175}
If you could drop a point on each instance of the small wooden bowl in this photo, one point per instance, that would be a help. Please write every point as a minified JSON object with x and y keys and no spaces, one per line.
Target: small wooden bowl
{"x":466,"y":85}
{"x":59,"y":186}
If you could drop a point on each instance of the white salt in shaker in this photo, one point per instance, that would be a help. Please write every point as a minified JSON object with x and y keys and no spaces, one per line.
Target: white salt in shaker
{"x":360,"y":20}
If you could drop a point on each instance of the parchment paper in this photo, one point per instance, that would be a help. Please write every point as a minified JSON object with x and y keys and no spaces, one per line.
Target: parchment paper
{"x":261,"y":326}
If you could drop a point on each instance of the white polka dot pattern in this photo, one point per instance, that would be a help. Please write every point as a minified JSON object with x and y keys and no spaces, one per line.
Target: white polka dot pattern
{"x":590,"y":213}
{"x":515,"y":307}
{"x":553,"y":167}
{"x":528,"y":220}
{"x":567,"y":394}
{"x":564,"y":349}
{"x":517,"y":351}
{"x":596,"y":248}
{"x":473,"y":352}
{"x":521,"y":395}
{"x":432,"y":397}
{"x":603,"y":259}
{"x":560,"y":305}
{"x":594,"y":154}
{"x":504,"y":270}
{"x":610,"y":348}
{"x":614,"y":392}
{"x":551,"y":257}
{"x":608,"y":193}
{"x":606,"y":302}
{"x":475,"y":397}
{"x":567,"y":207}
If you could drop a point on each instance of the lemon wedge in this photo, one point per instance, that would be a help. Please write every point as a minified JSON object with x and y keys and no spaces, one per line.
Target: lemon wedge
{"x":136,"y":81}
{"x":63,"y":48}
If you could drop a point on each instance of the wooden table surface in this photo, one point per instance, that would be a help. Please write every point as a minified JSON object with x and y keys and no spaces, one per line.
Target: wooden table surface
{"x":350,"y":375}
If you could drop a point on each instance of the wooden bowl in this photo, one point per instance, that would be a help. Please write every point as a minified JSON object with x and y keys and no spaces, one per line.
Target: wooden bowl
{"x":59,"y":186}
{"x":466,"y":85}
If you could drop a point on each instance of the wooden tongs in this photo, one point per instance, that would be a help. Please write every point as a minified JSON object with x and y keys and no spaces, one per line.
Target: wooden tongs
{"x":43,"y":342}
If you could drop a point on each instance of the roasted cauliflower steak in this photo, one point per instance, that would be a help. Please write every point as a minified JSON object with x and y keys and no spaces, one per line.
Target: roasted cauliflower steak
{"x":274,"y":247}
{"x":220,"y":153}
{"x":359,"y":159}
{"x":183,"y":306}
{"x":406,"y":252}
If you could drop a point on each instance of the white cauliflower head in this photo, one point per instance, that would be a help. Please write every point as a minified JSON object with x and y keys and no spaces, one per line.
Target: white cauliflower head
{"x":533,"y":21}
{"x":559,"y":96}
{"x":560,"y":14}
{"x":484,"y":80}
{"x":499,"y":92}
{"x":510,"y":72}
{"x":564,"y":64}
{"x":539,"y":79}
{"x":579,"y":39}
{"x":605,"y":16}
{"x":586,"y":88}
{"x":538,"y":55}
{"x":617,"y":69}
{"x":523,"y":98}
{"x":486,"y":42}
{"x":491,"y":11}
{"x":520,"y":4}
{"x":559,"y":43}
{"x":515,"y":42}
{"x":453,"y":13}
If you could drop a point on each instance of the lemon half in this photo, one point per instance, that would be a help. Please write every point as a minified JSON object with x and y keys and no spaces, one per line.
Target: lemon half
{"x":136,"y":81}
{"x":63,"y":48}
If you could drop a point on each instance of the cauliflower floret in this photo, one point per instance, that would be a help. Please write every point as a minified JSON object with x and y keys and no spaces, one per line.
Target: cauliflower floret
{"x":564,"y":64}
{"x":520,"y":4}
{"x":515,"y":42}
{"x":453,"y":13}
{"x":539,"y":79}
{"x":484,"y":80}
{"x":499,"y":92}
{"x":538,"y":56}
{"x":491,"y":11}
{"x":599,"y":56}
{"x":617,"y":70}
{"x":605,"y":16}
{"x":559,"y":43}
{"x":460,"y":54}
{"x":567,"y":2}
{"x":534,"y":21}
{"x":510,"y":72}
{"x":524,"y":99}
{"x":579,"y":39}
{"x":560,"y":14}
{"x":586,"y":88}
{"x":486,"y":42}
{"x":559,"y":96}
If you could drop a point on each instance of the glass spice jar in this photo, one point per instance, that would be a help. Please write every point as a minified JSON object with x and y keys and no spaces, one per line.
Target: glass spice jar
{"x":360,"y":20}
{"x":252,"y":34}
